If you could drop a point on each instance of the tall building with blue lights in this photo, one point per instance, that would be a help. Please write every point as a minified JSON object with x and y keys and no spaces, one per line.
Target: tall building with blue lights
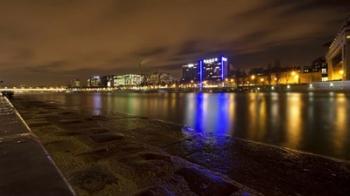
{"x":211,"y":69}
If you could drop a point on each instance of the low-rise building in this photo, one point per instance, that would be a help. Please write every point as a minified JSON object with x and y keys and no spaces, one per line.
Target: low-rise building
{"x":316,"y":72}
{"x":159,"y":79}
{"x":127,"y":80}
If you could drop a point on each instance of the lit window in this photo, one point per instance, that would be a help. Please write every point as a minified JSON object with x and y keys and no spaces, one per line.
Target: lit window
{"x":348,"y":37}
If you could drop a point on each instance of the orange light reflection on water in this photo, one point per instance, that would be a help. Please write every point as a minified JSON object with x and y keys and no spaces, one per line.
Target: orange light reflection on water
{"x":293,"y":119}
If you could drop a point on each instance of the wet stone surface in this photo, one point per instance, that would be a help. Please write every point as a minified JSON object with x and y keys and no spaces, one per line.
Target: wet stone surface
{"x":105,"y":137}
{"x":92,"y":179}
{"x":154,"y":191}
{"x":206,"y":183}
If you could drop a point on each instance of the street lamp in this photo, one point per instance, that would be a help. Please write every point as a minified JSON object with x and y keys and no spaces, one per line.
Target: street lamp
{"x":252,"y":78}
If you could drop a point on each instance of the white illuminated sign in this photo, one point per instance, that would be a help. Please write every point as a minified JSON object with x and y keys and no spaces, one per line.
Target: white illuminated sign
{"x":207,"y":61}
{"x":224,"y":59}
{"x":190,"y":65}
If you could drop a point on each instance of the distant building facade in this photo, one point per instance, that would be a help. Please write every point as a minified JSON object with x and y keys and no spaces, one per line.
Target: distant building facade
{"x":190,"y":72}
{"x":317,"y":71}
{"x":338,"y":55}
{"x":107,"y":81}
{"x":159,"y":79}
{"x":94,"y":81}
{"x":127,"y":80}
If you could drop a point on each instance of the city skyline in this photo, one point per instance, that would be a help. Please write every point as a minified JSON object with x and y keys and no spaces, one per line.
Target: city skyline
{"x":55,"y":42}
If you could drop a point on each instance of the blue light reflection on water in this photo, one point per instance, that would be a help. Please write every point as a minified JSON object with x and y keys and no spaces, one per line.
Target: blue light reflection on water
{"x":208,"y":118}
{"x":97,"y":104}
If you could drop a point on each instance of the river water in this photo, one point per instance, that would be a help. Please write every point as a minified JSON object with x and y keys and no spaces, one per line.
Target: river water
{"x":311,"y":122}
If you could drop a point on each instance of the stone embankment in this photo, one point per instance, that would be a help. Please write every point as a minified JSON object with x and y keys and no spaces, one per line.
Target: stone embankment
{"x":25,"y":166}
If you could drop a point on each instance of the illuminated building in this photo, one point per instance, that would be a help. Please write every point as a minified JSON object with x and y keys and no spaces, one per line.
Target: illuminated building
{"x":76,"y":83}
{"x":119,"y":81}
{"x":316,"y":72}
{"x":190,"y":72}
{"x":107,"y":81}
{"x":213,"y":69}
{"x":338,"y":55}
{"x":159,"y":79}
{"x":94,"y":81}
{"x":316,"y":66}
{"x":127,"y":80}
{"x":165,"y":78}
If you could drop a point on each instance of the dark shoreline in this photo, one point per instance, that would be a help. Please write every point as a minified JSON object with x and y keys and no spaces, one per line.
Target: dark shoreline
{"x":267,"y":169}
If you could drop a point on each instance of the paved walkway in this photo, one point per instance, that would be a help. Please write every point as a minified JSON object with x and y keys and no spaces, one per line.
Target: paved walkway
{"x":25,"y":166}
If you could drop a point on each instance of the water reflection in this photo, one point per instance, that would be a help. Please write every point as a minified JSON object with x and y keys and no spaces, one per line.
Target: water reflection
{"x":294,"y":119}
{"x":210,"y":115}
{"x":97,"y":104}
{"x":314,"y":122}
{"x":340,"y":123}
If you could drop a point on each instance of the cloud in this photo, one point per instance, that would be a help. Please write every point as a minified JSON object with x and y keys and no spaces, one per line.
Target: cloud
{"x":75,"y":38}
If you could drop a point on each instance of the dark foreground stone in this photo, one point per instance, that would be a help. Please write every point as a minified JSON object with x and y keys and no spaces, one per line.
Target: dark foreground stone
{"x":105,"y":137}
{"x":92,"y":179}
{"x":155,"y":191}
{"x":206,"y":184}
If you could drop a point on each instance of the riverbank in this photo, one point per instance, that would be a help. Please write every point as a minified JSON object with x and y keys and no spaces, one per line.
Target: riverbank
{"x":123,"y":155}
{"x":326,"y":86}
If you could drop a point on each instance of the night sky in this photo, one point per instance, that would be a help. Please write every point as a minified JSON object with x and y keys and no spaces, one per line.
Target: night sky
{"x":54,"y":41}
